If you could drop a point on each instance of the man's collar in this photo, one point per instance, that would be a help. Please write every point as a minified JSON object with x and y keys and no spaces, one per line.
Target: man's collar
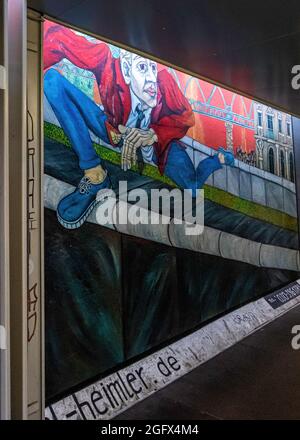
{"x":136,"y":103}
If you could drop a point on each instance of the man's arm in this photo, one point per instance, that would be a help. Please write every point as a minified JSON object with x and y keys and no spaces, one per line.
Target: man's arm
{"x":175,"y":117}
{"x":61,"y":42}
{"x":134,"y":138}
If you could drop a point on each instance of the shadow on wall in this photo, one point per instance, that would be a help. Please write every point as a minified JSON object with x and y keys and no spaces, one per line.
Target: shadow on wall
{"x":110,"y":297}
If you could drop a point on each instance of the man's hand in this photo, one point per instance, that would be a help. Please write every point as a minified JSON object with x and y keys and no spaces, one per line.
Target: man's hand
{"x":134,"y":138}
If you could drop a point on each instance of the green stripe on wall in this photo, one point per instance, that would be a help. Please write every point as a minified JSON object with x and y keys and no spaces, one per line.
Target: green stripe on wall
{"x":216,"y":195}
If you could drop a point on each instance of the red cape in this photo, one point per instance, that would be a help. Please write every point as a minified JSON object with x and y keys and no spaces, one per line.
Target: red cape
{"x":170,"y":119}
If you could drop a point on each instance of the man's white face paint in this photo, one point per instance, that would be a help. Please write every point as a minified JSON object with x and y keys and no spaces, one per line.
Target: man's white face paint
{"x":143,"y":80}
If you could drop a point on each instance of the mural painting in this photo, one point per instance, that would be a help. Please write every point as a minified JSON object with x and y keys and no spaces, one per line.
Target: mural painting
{"x":113,"y":115}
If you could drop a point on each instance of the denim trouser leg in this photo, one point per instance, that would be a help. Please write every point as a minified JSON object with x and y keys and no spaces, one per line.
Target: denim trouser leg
{"x":205,"y":168}
{"x":181,"y":170}
{"x":76,"y":113}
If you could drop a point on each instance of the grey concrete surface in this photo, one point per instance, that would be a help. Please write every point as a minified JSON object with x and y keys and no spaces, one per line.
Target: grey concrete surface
{"x":211,"y":241}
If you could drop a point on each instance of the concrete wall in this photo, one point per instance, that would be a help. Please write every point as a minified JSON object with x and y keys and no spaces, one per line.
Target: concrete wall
{"x":249,"y":183}
{"x":210,"y":241}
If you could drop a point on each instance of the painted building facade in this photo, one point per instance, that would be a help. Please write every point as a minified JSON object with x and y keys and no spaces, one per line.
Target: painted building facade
{"x":274,"y":141}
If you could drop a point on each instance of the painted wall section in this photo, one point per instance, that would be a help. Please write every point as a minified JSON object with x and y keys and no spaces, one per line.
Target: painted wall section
{"x":113,"y":116}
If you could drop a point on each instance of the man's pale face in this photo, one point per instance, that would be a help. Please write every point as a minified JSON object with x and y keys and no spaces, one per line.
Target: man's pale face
{"x":143,"y":80}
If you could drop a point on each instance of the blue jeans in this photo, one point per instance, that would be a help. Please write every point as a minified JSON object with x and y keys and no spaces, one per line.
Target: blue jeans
{"x":77,"y":114}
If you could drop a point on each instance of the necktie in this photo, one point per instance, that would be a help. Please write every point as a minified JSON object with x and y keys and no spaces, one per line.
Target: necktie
{"x":139,"y":154}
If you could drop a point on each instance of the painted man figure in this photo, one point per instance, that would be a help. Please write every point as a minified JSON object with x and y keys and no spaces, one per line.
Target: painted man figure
{"x":144,"y":112}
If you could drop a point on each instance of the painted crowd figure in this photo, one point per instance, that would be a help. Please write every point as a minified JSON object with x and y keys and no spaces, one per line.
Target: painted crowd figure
{"x":143,"y":110}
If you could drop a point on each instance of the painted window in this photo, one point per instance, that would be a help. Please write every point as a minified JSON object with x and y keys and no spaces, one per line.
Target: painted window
{"x":271,"y":161}
{"x":282,"y":164}
{"x":280,"y":125}
{"x":270,"y":127}
{"x":259,"y":119}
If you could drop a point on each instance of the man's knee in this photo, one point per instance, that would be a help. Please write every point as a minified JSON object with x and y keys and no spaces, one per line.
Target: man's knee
{"x":177,"y":145}
{"x":52,"y":79}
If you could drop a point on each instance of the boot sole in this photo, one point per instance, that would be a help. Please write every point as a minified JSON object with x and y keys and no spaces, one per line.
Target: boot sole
{"x":76,"y":224}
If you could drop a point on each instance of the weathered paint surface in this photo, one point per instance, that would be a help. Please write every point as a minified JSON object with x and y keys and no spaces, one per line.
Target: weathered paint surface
{"x":115,"y":393}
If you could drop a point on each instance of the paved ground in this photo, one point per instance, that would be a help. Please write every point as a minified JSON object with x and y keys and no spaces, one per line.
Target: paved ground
{"x":258,"y":378}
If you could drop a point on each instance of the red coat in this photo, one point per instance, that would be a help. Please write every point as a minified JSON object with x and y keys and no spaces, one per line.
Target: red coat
{"x":170,"y":119}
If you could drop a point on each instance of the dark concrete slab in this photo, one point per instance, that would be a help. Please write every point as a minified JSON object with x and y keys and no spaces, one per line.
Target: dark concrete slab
{"x":258,"y":378}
